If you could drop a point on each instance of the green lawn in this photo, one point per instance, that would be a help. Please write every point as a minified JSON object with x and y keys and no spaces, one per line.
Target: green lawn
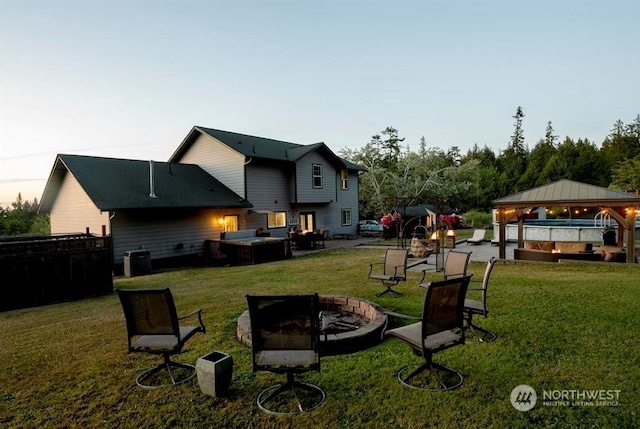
{"x":560,"y":327}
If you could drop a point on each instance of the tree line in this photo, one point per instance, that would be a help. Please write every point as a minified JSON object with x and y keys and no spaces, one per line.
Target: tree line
{"x":399,"y":176}
{"x":22,"y":218}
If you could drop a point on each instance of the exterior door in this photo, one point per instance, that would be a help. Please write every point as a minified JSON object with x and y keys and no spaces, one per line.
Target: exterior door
{"x":307,"y":221}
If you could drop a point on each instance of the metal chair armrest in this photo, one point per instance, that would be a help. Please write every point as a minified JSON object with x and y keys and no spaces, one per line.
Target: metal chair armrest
{"x":197,"y":312}
{"x":371,"y":266}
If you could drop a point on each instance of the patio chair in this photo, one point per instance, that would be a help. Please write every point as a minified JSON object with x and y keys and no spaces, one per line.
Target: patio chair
{"x":390,"y":272}
{"x":153,"y":326}
{"x":472,"y":307}
{"x":285,"y":339}
{"x":440,"y":328}
{"x":293,"y":240}
{"x":320,"y":236}
{"x":454,"y":266}
{"x":478,"y":237}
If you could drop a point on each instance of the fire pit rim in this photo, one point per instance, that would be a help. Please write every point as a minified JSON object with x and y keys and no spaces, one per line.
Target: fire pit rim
{"x":367,"y":334}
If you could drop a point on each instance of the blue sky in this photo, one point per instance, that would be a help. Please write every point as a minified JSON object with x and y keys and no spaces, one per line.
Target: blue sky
{"x":129,"y":79}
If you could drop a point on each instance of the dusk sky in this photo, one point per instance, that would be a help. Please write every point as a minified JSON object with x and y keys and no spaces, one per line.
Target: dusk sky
{"x":129,"y":79}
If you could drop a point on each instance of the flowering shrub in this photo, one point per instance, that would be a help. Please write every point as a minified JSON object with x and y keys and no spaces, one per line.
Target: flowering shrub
{"x":389,"y":218}
{"x":453,"y":221}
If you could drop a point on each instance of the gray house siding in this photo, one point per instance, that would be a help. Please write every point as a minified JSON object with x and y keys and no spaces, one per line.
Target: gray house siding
{"x":74,"y":212}
{"x":268,"y":189}
{"x":305,"y":191}
{"x":346,"y":199}
{"x":166,"y":234}
{"x":218,"y":160}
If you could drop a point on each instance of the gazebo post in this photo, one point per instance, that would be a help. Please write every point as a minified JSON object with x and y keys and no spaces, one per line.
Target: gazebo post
{"x":520,"y":217}
{"x":631,"y":235}
{"x":502,"y":231}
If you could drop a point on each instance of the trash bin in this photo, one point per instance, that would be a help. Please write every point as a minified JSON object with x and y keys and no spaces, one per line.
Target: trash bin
{"x":137,"y":263}
{"x":609,"y":238}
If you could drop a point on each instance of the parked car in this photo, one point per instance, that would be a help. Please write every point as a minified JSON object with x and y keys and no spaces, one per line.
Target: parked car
{"x":370,"y":227}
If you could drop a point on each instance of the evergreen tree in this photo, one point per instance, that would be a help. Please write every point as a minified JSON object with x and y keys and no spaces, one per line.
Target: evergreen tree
{"x":22,"y":218}
{"x":513,"y":161}
{"x":626,"y":177}
{"x":622,"y":143}
{"x":538,"y":158}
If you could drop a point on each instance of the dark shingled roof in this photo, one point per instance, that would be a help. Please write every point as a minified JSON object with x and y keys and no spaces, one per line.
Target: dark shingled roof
{"x":119,"y":184}
{"x":260,"y":147}
{"x":567,"y":192}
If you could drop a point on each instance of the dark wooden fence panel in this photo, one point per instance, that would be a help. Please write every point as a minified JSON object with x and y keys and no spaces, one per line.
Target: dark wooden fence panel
{"x":44,"y":270}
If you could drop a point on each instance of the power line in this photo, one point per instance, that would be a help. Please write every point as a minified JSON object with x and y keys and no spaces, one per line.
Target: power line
{"x":21,"y":180}
{"x":29,"y":155}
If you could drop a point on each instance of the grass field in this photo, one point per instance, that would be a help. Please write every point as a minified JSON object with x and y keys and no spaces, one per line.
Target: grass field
{"x":561,"y":327}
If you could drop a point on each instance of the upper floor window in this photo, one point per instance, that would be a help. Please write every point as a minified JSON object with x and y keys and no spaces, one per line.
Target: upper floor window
{"x":344,"y":179}
{"x":277,"y":220}
{"x":317,"y":176}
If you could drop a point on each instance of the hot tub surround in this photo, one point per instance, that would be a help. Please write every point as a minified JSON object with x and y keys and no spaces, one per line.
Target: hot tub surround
{"x":250,"y":246}
{"x":552,"y":251}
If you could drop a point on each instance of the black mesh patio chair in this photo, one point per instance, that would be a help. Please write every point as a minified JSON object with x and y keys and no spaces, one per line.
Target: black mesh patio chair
{"x":392,"y":271}
{"x":479,"y":307}
{"x":440,"y":328}
{"x":285,"y":339}
{"x":153,"y":326}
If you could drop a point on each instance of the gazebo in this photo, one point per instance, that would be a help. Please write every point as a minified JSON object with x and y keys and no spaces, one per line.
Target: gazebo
{"x":620,"y":206}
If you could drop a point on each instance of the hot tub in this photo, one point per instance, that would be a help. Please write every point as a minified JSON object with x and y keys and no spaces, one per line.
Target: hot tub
{"x":255,"y":250}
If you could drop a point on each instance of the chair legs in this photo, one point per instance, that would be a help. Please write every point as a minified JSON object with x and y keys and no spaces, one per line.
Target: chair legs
{"x":389,"y":289}
{"x":176,"y":374}
{"x":292,"y":397}
{"x":475,"y":331}
{"x":438,"y":377}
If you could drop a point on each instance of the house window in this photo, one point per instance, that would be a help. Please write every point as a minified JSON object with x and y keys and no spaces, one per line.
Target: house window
{"x":344,"y":179}
{"x":345,"y":215}
{"x":277,"y":220}
{"x":317,"y":176}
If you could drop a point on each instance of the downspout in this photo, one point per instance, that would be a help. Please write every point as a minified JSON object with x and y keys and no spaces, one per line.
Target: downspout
{"x":246,"y":190}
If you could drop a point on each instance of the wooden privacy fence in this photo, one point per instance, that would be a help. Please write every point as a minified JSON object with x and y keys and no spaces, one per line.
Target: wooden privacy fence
{"x":47,"y":269}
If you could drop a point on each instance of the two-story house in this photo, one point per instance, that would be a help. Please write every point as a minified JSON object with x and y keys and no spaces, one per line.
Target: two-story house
{"x":288,"y":184}
{"x":215,"y":181}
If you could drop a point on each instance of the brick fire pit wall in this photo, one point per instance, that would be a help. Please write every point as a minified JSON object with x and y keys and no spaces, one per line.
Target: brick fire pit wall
{"x":371,"y":333}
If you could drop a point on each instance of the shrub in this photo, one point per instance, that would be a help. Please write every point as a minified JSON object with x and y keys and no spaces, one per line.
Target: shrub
{"x":478,"y":219}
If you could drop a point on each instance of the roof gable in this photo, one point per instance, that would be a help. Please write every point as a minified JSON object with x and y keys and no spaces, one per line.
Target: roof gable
{"x":260,"y":147}
{"x":117,"y":184}
{"x":567,"y":192}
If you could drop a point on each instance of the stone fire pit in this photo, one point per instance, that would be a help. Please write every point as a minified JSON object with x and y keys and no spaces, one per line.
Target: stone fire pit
{"x":348,"y":324}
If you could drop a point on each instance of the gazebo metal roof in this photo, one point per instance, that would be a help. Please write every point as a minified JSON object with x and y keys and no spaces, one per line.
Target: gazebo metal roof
{"x":568,"y":193}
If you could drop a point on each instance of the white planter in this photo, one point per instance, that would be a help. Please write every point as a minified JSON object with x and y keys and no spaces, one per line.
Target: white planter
{"x":214,"y":372}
